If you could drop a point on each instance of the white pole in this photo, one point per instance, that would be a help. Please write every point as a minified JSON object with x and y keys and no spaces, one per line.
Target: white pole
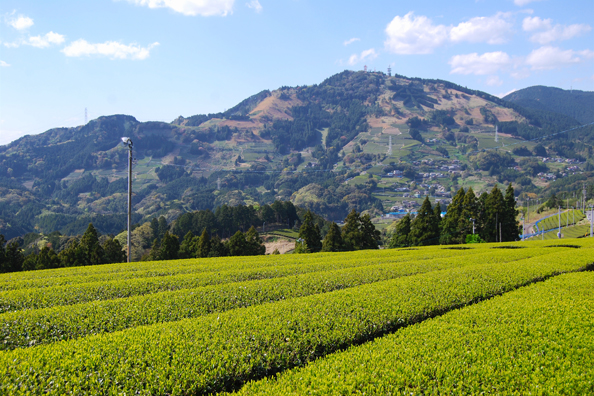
{"x":591,"y":220}
{"x":559,"y":233}
{"x":129,"y":200}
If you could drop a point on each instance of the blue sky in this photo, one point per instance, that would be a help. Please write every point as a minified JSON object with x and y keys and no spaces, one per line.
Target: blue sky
{"x":158,"y":59}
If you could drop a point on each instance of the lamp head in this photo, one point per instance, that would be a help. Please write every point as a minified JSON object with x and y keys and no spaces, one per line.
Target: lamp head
{"x":126,"y":141}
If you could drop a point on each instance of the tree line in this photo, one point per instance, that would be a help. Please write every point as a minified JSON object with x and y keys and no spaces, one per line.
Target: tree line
{"x":358,"y":233}
{"x":79,"y":252}
{"x":491,"y":217}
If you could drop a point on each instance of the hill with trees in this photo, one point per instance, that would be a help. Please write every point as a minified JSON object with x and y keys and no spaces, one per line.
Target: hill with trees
{"x":327,"y":147}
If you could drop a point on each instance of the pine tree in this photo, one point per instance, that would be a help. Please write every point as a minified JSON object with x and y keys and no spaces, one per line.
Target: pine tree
{"x":113,"y":252}
{"x":186,"y":249}
{"x":333,"y":241}
{"x":437,"y":214}
{"x":203,"y":246}
{"x":425,"y":227}
{"x":470,"y":210}
{"x":401,"y":235}
{"x":217,"y":248}
{"x":511,"y":228}
{"x":91,"y":251}
{"x":169,"y":247}
{"x":494,"y":215}
{"x":310,"y":233}
{"x":237,"y":244}
{"x":370,"y":236}
{"x":254,"y":242}
{"x":47,"y":259}
{"x":450,"y":233}
{"x":351,"y":234}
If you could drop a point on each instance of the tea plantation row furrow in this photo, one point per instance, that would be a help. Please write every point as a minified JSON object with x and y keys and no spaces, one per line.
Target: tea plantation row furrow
{"x":537,"y":340}
{"x":40,"y":326}
{"x":14,"y":300}
{"x":196,"y":266}
{"x":106,"y":272}
{"x":222,"y":351}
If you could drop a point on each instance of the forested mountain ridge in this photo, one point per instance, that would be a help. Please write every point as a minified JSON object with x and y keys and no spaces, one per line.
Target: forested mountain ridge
{"x":325,"y":147}
{"x":573,"y":103}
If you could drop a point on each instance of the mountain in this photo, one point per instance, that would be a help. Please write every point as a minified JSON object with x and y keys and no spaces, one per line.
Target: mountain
{"x":573,"y":103}
{"x":327,"y":147}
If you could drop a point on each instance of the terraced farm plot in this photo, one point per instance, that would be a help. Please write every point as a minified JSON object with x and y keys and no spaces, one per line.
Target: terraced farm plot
{"x":212,"y":325}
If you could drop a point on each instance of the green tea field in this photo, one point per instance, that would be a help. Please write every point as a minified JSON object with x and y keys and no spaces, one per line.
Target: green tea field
{"x":512,"y":318}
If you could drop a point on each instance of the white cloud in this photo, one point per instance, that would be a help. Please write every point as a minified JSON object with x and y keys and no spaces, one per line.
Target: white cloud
{"x":530,"y":24}
{"x":522,"y":3}
{"x":369,"y":54}
{"x":494,"y":81}
{"x":45,"y":41}
{"x":552,"y":57}
{"x":3,"y":64}
{"x":21,"y":22}
{"x":351,"y":41}
{"x":493,"y":30}
{"x":487,"y":63}
{"x":552,"y":33}
{"x":414,"y":35}
{"x":255,"y":5}
{"x":502,"y":95}
{"x":111,"y":49}
{"x":191,"y":7}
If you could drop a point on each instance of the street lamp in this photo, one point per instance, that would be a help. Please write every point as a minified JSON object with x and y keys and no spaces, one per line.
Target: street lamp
{"x":126,"y":141}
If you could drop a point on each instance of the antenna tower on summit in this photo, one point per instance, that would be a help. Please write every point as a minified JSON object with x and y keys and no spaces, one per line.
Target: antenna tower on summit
{"x":389,"y":71}
{"x":365,"y":68}
{"x":86,"y":116}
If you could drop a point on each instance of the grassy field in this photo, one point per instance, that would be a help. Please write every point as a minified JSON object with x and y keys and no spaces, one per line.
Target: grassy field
{"x":424,"y":320}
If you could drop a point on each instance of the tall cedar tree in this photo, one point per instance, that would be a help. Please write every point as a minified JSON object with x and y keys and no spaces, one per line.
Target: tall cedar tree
{"x":425,"y":227}
{"x":169,"y":247}
{"x":91,"y":250}
{"x":450,"y":233}
{"x":11,"y":256}
{"x":350,"y":231}
{"x":333,"y":241}
{"x":237,"y":244}
{"x":254,"y":242}
{"x":511,"y":228}
{"x":481,"y":224}
{"x":310,"y":233}
{"x":203,"y":247}
{"x":359,"y":233}
{"x":113,"y":253}
{"x":186,"y":249}
{"x":401,"y":235}
{"x":371,"y":236}
{"x":470,"y":210}
{"x":494,"y":215}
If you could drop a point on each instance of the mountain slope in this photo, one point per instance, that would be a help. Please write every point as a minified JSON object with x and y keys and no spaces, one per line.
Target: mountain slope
{"x":574,"y":103}
{"x":325,"y":146}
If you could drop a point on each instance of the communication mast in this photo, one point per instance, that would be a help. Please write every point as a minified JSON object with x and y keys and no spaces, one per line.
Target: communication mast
{"x":389,"y":71}
{"x":86,"y":117}
{"x":365,"y":68}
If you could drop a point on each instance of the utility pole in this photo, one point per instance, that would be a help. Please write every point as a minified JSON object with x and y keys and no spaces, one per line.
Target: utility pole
{"x":472,"y":226}
{"x":523,"y":227}
{"x":559,"y":233}
{"x":128,"y":143}
{"x":591,"y":220}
